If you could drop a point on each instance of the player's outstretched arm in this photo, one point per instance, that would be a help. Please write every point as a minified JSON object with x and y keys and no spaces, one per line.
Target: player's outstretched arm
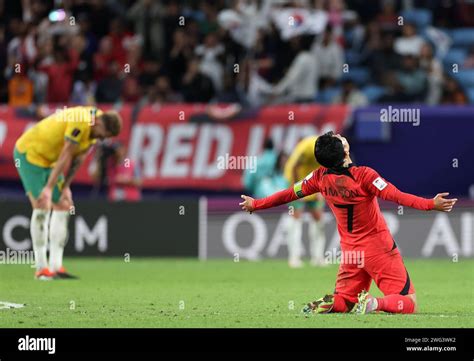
{"x":303,"y":188}
{"x":250,"y":204}
{"x":379,"y":187}
{"x":438,"y":203}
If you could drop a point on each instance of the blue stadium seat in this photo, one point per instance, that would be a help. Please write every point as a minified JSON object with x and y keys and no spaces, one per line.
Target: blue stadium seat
{"x":374,"y":92}
{"x":465,"y":77}
{"x":420,"y":17}
{"x":462,"y":37}
{"x":455,"y":56}
{"x":352,"y":57}
{"x":327,"y":95}
{"x":349,"y":36}
{"x":470,"y":94}
{"x":358,"y":75}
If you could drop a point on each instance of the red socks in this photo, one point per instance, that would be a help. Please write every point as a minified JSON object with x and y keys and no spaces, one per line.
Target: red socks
{"x":396,"y":304}
{"x":390,"y":303}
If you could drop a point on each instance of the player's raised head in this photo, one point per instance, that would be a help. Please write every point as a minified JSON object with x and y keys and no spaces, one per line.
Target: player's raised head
{"x":330,"y":150}
{"x":109,"y":124}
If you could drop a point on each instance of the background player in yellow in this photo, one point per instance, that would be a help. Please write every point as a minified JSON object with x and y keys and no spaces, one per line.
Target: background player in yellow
{"x":301,"y":163}
{"x":55,"y":144}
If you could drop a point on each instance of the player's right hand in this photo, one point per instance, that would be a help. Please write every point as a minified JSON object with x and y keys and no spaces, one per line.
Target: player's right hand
{"x":44,"y":199}
{"x":442,"y":204}
{"x":247,"y":204}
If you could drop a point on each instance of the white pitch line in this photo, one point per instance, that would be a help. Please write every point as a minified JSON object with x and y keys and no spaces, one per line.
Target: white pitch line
{"x":8,"y":305}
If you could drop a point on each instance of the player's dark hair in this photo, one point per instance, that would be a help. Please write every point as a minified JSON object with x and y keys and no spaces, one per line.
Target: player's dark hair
{"x":329,"y":151}
{"x":112,"y":122}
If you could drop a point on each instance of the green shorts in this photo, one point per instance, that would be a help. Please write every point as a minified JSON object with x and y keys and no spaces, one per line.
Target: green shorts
{"x":312,"y":205}
{"x":34,"y":177}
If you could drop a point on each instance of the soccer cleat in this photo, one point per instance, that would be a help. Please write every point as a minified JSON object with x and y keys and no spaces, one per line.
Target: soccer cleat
{"x":296,"y":263}
{"x":44,"y":274}
{"x":318,"y":262}
{"x":63,"y":274}
{"x":365,"y":303}
{"x":322,"y":305}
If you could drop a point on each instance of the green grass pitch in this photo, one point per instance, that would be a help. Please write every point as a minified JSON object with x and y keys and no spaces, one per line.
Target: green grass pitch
{"x":218,"y":293}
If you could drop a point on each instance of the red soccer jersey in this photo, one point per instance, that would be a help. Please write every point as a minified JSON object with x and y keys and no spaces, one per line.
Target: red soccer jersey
{"x":352,"y":193}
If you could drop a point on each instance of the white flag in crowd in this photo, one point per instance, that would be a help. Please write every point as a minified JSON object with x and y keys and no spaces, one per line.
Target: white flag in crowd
{"x":296,"y":21}
{"x":441,"y":40}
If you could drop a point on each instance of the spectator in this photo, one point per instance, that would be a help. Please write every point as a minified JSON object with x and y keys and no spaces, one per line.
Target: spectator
{"x":103,"y":58}
{"x":84,"y":88}
{"x":350,"y":95}
{"x":131,"y":91}
{"x":171,"y":21}
{"x":161,"y":92}
{"x":372,"y":43}
{"x":100,"y":16}
{"x":335,"y":10}
{"x":60,"y":74}
{"x":151,"y":71}
{"x":83,"y":91}
{"x":178,"y":57}
{"x":85,"y":64}
{"x":92,"y":42}
{"x":124,"y":177}
{"x":211,"y":65}
{"x":118,"y":37}
{"x":208,"y":24}
{"x":147,"y":17}
{"x":409,"y":43}
{"x":197,"y":87}
{"x":257,"y":180}
{"x":163,"y":49}
{"x":469,"y":61}
{"x":231,"y":92}
{"x":20,"y":88}
{"x":109,"y":88}
{"x":453,"y":93}
{"x":3,"y":65}
{"x":383,"y":60}
{"x":433,"y":68}
{"x":330,"y":57}
{"x":264,"y":56}
{"x":22,"y":48}
{"x":388,"y":19}
{"x":300,"y":82}
{"x":412,"y":79}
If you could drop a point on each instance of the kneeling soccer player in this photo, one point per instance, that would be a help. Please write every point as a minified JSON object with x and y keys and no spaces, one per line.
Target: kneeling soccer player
{"x":351,"y":192}
{"x":41,"y":155}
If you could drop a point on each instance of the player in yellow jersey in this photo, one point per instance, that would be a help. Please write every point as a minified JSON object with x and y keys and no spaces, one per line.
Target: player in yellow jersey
{"x":299,"y":165}
{"x":57,"y":143}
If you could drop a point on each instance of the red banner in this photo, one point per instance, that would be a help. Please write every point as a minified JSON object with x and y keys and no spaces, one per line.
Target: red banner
{"x":196,"y":146}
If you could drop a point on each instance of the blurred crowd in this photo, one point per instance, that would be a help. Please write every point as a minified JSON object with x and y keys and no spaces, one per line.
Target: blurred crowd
{"x":154,"y":52}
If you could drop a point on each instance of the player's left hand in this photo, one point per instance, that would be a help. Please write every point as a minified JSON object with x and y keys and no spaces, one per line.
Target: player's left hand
{"x":66,"y":197}
{"x":247,"y":204}
{"x":443,"y":204}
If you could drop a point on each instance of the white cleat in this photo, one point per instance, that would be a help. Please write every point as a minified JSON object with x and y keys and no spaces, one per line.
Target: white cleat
{"x":296,"y":263}
{"x":319,"y":263}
